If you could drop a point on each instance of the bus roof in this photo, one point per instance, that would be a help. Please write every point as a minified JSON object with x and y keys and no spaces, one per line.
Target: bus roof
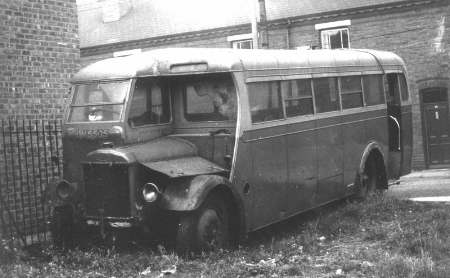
{"x":256,"y":63}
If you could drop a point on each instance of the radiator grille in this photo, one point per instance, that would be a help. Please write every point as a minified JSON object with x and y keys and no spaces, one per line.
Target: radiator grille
{"x":107,"y":188}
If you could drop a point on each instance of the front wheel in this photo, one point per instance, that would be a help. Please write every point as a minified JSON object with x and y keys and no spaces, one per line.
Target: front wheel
{"x":62,"y":227}
{"x":205,"y":229}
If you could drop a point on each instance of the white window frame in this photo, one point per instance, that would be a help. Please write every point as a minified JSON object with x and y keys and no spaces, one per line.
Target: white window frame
{"x":237,"y":40}
{"x":326,"y":28}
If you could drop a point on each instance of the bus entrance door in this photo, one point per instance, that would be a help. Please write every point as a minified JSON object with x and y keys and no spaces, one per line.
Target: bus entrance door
{"x":399,"y":124}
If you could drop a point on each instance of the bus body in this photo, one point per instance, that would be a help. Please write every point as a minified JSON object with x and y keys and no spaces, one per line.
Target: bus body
{"x":224,"y":142}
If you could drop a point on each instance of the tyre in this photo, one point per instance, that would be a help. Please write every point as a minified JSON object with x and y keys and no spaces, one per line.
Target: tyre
{"x":370,"y":180}
{"x":62,"y":228}
{"x":205,"y":229}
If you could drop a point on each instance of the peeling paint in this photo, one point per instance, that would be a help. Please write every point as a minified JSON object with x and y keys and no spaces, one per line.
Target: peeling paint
{"x":438,"y":44}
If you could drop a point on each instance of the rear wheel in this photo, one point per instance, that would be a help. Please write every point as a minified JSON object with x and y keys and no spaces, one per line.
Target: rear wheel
{"x":371,"y":180}
{"x":205,"y":229}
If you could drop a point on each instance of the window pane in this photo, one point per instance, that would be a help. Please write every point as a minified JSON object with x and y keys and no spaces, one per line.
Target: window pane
{"x":150,"y":104}
{"x":345,"y":38}
{"x":265,"y":101}
{"x":351,"y":92}
{"x":97,"y":113}
{"x":298,"y":97}
{"x":326,"y":94}
{"x":113,"y":92}
{"x":210,"y":99}
{"x":335,"y":39}
{"x":244,"y":44}
{"x":404,"y":87}
{"x":351,"y":84}
{"x":351,"y":100}
{"x":98,"y":101}
{"x":373,"y":89}
{"x":299,"y":107}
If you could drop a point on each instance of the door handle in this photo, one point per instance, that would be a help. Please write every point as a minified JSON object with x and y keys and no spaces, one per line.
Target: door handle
{"x":398,"y":127}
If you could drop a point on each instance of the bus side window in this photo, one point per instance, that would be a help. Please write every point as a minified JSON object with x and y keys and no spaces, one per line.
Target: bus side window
{"x":326,"y":94}
{"x":265,"y":101}
{"x":351,"y":92}
{"x":403,"y":87}
{"x":373,"y":89}
{"x":297,"y":95}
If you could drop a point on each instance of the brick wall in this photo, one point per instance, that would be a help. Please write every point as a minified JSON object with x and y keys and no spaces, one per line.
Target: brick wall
{"x":38,"y":54}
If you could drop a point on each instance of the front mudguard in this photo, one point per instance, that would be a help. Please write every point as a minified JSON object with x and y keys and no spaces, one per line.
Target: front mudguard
{"x":187,"y":194}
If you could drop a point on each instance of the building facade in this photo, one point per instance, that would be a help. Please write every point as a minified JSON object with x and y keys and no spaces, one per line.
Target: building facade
{"x":417,"y":30}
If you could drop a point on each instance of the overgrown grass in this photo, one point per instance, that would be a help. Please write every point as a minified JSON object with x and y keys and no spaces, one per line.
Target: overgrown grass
{"x":381,"y":237}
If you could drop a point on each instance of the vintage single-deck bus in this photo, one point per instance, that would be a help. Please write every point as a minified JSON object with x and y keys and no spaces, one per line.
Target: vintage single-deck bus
{"x":209,"y":144}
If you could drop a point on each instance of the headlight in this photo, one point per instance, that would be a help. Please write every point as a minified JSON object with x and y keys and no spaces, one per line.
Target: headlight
{"x":63,"y":190}
{"x":150,"y":192}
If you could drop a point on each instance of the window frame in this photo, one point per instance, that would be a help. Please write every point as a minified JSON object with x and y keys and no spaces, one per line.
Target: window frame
{"x":382,"y":92}
{"x":285,"y":99}
{"x":339,"y":100}
{"x":342,"y":93}
{"x":280,"y":98}
{"x":170,"y":104}
{"x":340,"y":29}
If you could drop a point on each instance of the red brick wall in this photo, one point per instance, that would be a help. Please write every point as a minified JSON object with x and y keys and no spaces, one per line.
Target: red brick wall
{"x":38,"y":54}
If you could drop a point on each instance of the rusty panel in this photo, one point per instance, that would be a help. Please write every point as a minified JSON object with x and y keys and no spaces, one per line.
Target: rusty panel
{"x":355,"y":141}
{"x":268,"y":178}
{"x":218,"y":149}
{"x":330,"y":154}
{"x":302,"y":166}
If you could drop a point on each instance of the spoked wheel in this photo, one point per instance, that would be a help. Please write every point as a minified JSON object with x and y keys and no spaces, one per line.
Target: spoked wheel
{"x":205,"y":229}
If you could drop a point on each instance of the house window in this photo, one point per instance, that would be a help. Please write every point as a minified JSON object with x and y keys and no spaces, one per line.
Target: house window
{"x":244,"y":44}
{"x":334,"y":34}
{"x":335,"y":38}
{"x":241,"y":41}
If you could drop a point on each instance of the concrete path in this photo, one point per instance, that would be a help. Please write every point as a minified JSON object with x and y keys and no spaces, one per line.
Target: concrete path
{"x":426,"y":186}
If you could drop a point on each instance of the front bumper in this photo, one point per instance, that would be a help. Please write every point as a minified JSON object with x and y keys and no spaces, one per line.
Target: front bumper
{"x":113,"y":222}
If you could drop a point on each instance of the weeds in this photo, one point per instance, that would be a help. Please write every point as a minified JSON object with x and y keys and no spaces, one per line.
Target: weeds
{"x":381,"y":237}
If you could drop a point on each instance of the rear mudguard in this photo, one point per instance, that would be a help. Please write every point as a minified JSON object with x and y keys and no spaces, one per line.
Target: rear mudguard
{"x":371,"y":147}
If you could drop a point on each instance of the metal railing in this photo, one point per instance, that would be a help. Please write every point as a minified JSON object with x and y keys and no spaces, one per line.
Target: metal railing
{"x":30,"y":160}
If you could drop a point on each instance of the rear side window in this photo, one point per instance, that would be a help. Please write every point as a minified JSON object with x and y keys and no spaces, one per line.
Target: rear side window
{"x":403,"y":87}
{"x":297,"y":96}
{"x":373,"y":89}
{"x":326,"y":94}
{"x":351,"y":92}
{"x":265,"y":101}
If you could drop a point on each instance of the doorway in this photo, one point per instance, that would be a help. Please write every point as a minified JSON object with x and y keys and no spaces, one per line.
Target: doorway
{"x":436,"y":126}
